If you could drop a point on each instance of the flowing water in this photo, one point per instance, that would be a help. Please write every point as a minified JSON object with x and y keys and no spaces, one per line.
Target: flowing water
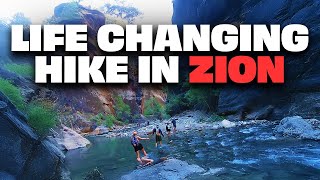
{"x":248,"y":152}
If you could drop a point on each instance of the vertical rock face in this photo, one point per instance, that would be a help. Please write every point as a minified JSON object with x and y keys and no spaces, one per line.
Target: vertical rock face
{"x":73,"y":13}
{"x":23,"y":155}
{"x":300,"y":95}
{"x":96,"y":99}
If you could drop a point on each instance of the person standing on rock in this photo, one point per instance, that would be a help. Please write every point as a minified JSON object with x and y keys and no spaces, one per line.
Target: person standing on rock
{"x":135,"y":141}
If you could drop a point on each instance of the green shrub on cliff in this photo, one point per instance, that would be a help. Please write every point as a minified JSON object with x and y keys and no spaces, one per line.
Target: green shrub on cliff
{"x":201,"y":98}
{"x":152,"y":107}
{"x":123,"y":110}
{"x":215,"y":117}
{"x":110,"y":120}
{"x":98,"y":119}
{"x":13,"y":93}
{"x":107,"y":120}
{"x":176,"y":104}
{"x":41,"y":117}
{"x":194,"y":97}
{"x":25,"y":70}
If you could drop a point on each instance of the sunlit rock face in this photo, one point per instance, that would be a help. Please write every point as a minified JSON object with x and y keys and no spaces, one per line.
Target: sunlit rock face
{"x":300,"y":95}
{"x":73,"y":13}
{"x":79,"y":101}
{"x":97,"y":99}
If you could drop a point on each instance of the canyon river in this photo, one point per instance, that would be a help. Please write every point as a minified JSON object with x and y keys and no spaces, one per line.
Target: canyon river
{"x":247,"y":152}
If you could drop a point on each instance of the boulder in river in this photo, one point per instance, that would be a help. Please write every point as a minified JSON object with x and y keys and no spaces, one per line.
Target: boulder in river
{"x":100,"y":130}
{"x":170,"y":169}
{"x":298,"y":127}
{"x":227,"y":124}
{"x":71,"y":139}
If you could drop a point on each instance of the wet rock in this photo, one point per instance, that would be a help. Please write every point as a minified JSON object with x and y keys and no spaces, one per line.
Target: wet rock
{"x":170,"y":169}
{"x":95,"y":174}
{"x":3,"y":105}
{"x":263,"y":113}
{"x":298,"y":127}
{"x":100,"y":130}
{"x":6,"y":176}
{"x":213,"y":171}
{"x":227,"y":124}
{"x":83,"y":124}
{"x":23,"y":155}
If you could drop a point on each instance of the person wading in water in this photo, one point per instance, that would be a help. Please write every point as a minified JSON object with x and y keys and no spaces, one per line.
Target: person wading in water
{"x":174,"y":123}
{"x":168,"y":129}
{"x":158,"y":133}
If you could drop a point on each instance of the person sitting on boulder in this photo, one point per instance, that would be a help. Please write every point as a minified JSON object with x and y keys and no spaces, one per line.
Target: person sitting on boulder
{"x":135,"y":141}
{"x":145,"y":161}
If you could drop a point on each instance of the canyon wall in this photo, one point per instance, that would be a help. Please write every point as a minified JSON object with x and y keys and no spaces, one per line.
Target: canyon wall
{"x":300,"y":95}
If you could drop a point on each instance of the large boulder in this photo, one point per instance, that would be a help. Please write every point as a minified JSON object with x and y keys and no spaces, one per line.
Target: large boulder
{"x":23,"y":155}
{"x":73,"y":13}
{"x":94,"y":98}
{"x":170,"y":169}
{"x":69,"y":140}
{"x":227,"y":124}
{"x":298,"y":127}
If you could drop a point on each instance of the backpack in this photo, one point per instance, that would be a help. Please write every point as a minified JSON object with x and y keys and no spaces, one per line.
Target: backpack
{"x":134,"y":140}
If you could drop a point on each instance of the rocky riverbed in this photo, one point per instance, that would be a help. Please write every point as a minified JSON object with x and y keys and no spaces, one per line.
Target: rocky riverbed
{"x":205,"y":149}
{"x":187,"y":121}
{"x":251,"y":151}
{"x":68,"y":139}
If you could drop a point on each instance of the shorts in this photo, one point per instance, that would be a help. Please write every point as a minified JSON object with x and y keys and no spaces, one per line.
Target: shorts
{"x":158,"y":138}
{"x":174,"y":125}
{"x":138,"y":147}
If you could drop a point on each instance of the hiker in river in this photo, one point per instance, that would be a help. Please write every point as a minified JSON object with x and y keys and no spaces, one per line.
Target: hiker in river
{"x":174,"y":123}
{"x":158,"y":133}
{"x":168,"y":129}
{"x":135,"y":141}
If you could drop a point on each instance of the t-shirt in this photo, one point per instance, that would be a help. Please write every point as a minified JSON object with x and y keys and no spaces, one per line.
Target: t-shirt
{"x":174,"y":122}
{"x":159,"y":130}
